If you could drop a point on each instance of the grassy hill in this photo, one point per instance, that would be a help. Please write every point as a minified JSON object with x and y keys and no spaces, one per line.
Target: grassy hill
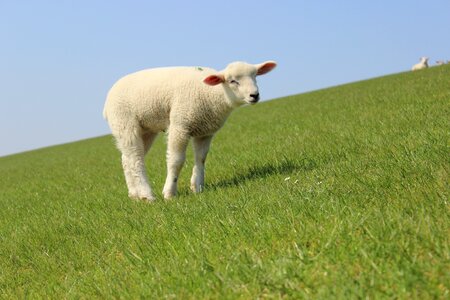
{"x":338,"y":193}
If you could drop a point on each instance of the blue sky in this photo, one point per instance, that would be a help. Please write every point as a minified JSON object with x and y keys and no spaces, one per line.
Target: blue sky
{"x":58,"y":59}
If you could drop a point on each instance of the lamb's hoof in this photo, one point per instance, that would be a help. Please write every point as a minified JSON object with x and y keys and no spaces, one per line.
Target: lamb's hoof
{"x":147,"y":198}
{"x":197,"y":189}
{"x":168,"y":195}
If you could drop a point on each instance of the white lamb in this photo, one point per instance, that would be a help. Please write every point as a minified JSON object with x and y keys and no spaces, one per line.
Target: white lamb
{"x":183,"y":101}
{"x":423,"y":64}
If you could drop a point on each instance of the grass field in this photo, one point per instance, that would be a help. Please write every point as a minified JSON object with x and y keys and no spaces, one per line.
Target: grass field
{"x":339,"y":193}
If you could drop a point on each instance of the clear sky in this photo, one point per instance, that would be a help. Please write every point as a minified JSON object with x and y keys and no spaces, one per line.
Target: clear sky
{"x":58,"y":59}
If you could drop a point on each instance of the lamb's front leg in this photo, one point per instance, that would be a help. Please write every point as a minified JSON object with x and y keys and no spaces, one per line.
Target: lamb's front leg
{"x":201,"y":148}
{"x":176,"y":155}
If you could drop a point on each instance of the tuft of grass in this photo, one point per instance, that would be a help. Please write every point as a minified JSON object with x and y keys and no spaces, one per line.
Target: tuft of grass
{"x":338,"y":193}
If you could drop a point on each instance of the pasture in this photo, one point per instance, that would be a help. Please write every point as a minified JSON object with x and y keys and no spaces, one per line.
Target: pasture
{"x":337,"y":193}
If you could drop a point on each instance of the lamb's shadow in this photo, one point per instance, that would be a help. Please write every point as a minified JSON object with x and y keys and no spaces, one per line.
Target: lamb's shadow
{"x":283,"y":167}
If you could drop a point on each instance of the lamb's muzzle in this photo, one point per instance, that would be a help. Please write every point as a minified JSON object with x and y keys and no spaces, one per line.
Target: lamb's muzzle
{"x":255,"y":97}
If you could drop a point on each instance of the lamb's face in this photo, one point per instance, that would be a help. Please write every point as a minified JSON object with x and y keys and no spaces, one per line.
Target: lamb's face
{"x":239,"y":80}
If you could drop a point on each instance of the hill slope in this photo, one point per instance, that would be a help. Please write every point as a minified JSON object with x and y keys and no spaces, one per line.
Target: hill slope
{"x":341,"y":192}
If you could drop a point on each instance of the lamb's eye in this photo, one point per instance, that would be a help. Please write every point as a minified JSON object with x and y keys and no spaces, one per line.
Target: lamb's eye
{"x":234,"y":82}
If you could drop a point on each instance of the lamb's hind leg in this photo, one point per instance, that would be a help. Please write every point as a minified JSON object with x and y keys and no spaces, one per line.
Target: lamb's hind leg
{"x":133,"y":151}
{"x":176,"y":155}
{"x":201,"y":148}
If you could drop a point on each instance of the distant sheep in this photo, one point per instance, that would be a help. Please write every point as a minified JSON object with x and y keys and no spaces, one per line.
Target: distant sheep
{"x":442,"y":62}
{"x":423,"y":64}
{"x":183,"y":101}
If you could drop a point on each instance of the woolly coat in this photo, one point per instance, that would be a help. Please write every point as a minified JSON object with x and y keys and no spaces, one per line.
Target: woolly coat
{"x":151,"y":100}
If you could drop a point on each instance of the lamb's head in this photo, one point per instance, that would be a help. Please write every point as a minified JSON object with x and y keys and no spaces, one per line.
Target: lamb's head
{"x":239,"y":80}
{"x":424,"y":59}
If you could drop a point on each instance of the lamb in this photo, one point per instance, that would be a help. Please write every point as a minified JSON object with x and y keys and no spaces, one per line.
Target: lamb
{"x":423,"y":64}
{"x":185,"y":102}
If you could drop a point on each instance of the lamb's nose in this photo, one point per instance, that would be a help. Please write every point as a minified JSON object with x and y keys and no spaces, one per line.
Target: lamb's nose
{"x":255,"y":96}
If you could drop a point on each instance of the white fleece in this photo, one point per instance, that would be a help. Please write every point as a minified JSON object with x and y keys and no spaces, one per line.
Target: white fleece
{"x":183,"y":101}
{"x":423,"y":64}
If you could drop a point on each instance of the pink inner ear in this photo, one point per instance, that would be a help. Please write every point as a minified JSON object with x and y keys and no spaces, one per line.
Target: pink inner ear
{"x":266,"y":68}
{"x":213,"y":80}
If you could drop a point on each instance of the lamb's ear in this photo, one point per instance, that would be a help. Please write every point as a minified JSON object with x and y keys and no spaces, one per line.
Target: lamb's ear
{"x":265,"y":67}
{"x":214,"y":79}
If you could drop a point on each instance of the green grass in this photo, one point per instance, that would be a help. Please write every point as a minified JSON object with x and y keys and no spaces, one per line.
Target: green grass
{"x":338,"y":193}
